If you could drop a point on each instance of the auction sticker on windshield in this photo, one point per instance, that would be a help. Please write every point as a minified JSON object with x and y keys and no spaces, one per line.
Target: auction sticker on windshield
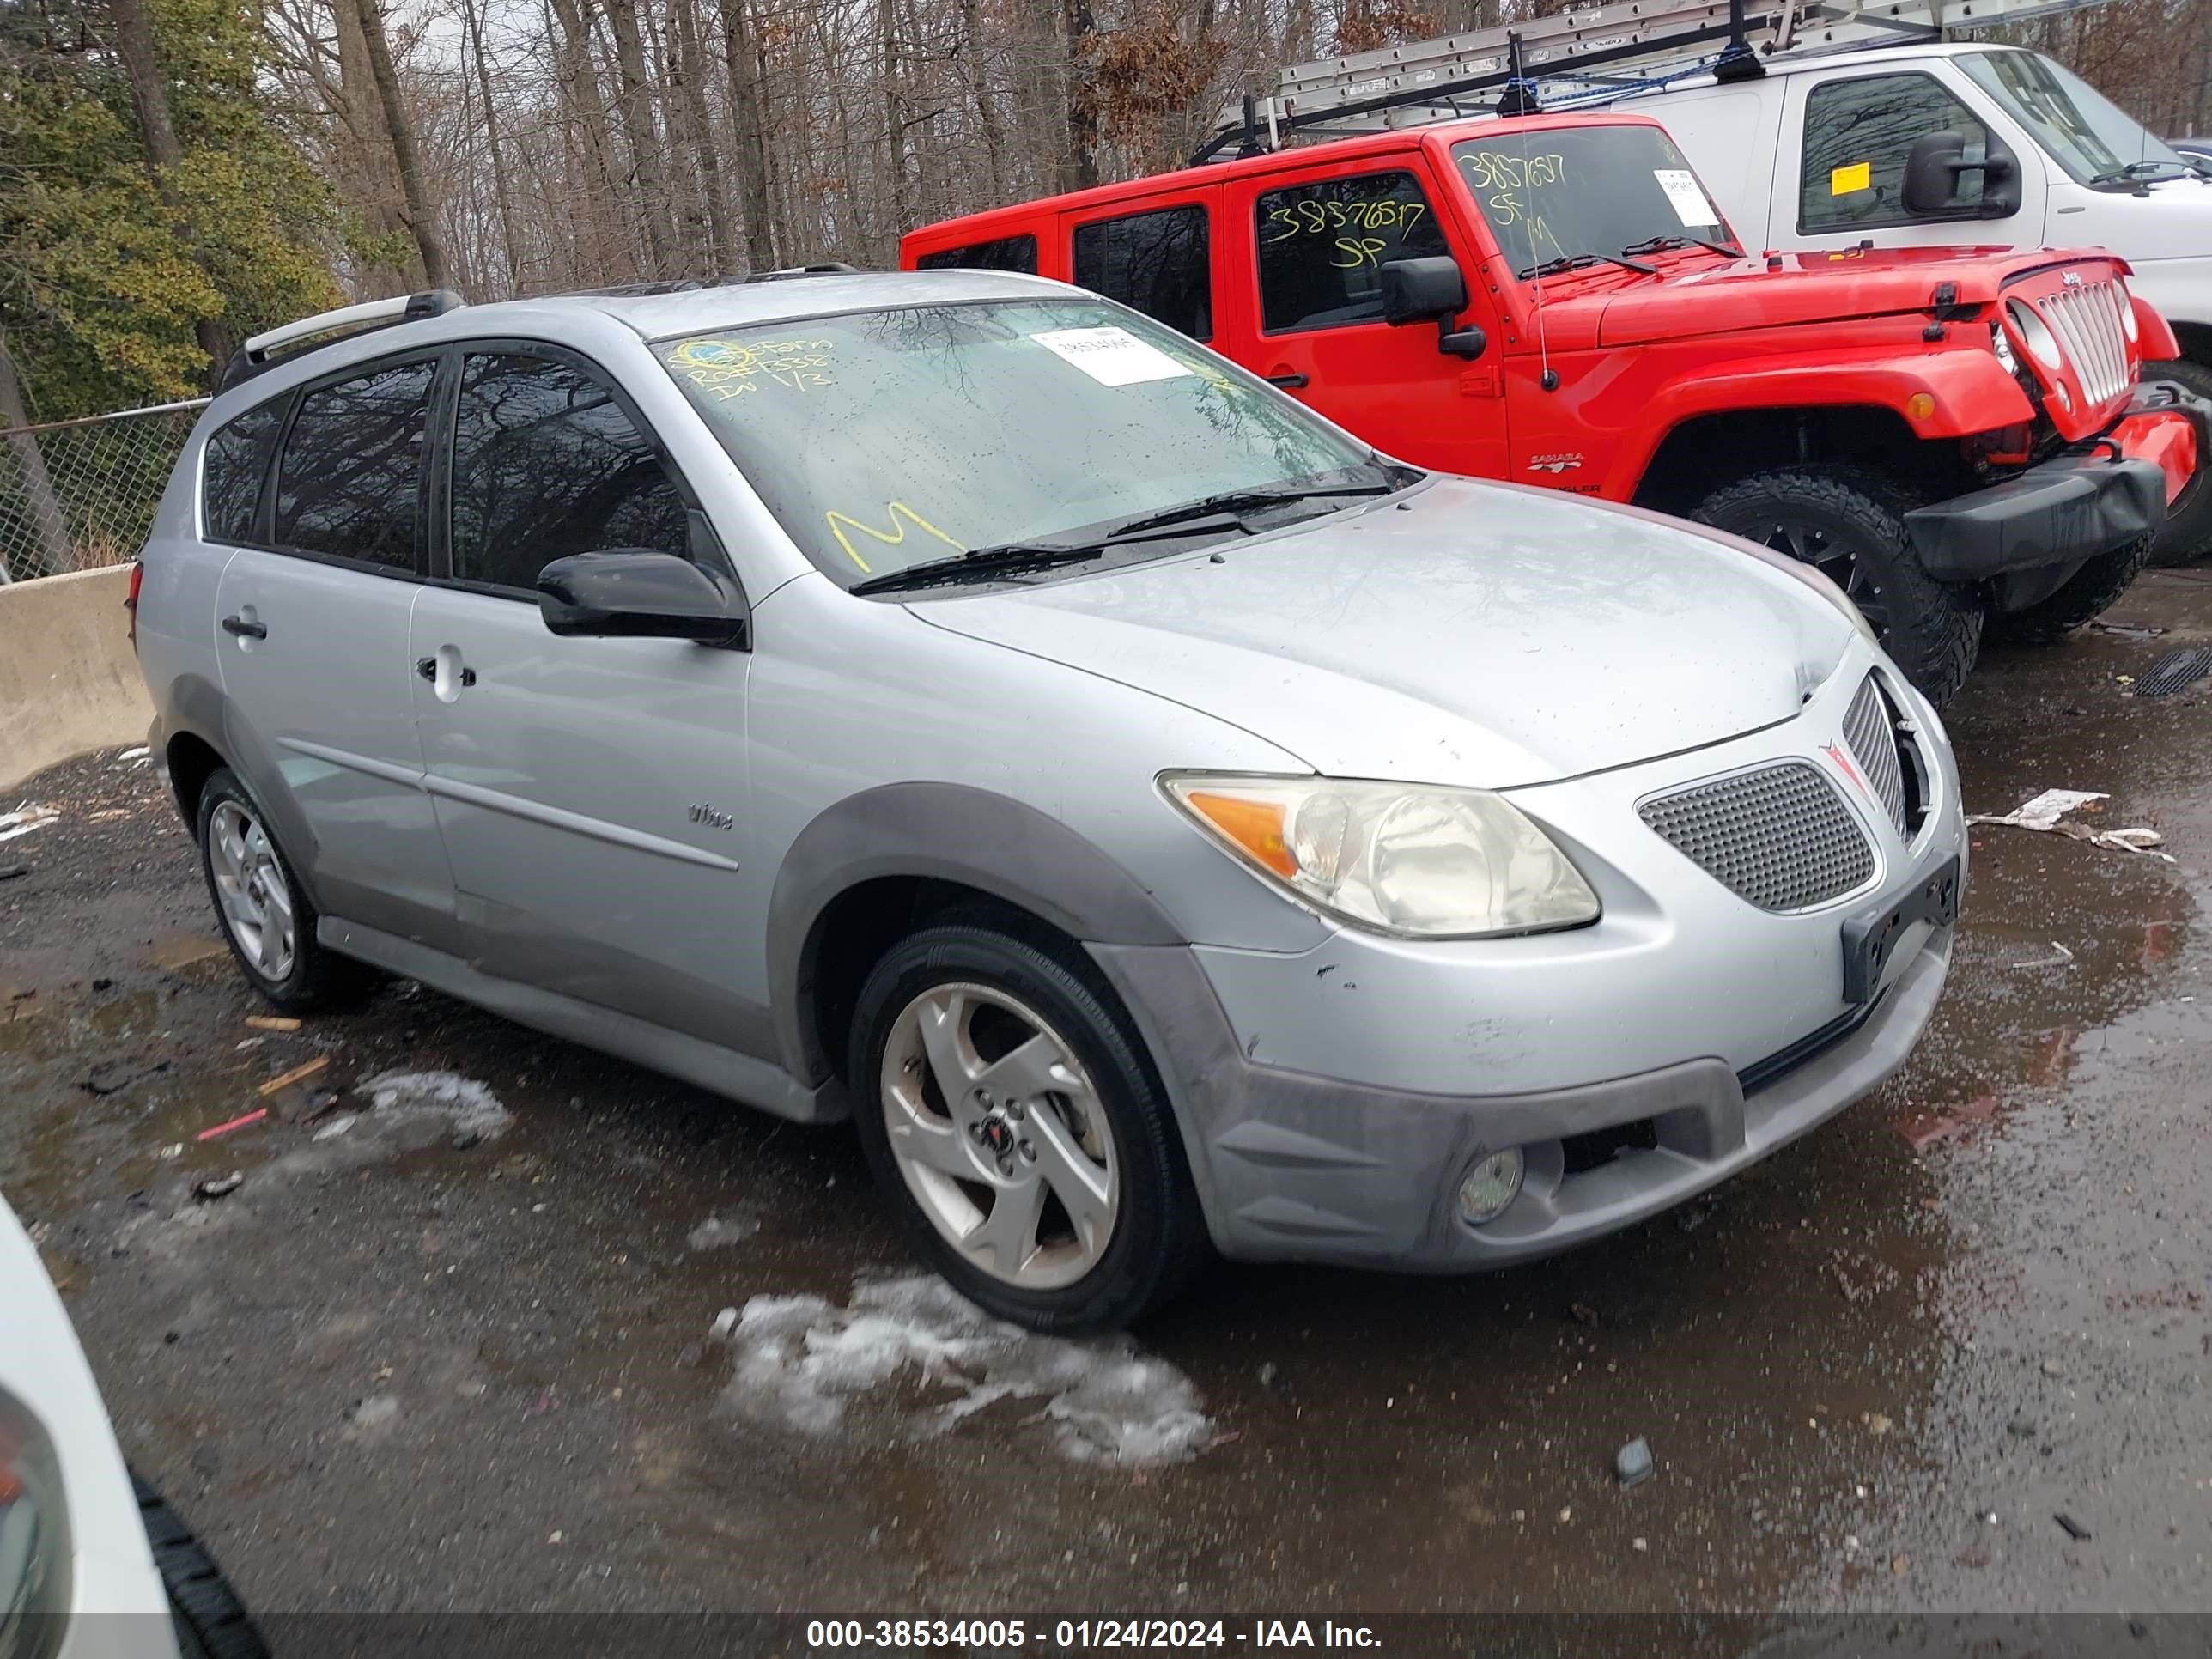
{"x":1689,"y":202}
{"x":1111,"y":355}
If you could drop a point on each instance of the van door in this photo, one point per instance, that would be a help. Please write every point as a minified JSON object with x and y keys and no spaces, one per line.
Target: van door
{"x":1839,"y":178}
{"x":1307,"y":247}
{"x":312,"y":636}
{"x":591,"y":792}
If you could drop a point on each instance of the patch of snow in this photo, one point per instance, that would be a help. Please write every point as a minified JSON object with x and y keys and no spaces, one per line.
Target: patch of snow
{"x":805,"y":1365}
{"x":30,"y":816}
{"x":463,"y":1101}
{"x":140,"y":754}
{"x":717,"y":1230}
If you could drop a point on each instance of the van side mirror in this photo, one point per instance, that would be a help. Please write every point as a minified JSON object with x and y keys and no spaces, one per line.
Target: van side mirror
{"x":1955,"y":174}
{"x":1420,"y":290}
{"x":635,"y":593}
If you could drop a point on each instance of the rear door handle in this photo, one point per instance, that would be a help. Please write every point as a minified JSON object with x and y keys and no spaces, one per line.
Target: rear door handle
{"x":428,"y":668}
{"x":244,"y":630}
{"x":1287,"y":378}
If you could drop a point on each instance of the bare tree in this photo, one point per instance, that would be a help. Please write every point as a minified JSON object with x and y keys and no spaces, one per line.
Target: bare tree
{"x":421,"y":218}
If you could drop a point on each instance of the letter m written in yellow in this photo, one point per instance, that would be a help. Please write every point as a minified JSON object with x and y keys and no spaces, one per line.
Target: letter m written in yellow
{"x":901,"y":516}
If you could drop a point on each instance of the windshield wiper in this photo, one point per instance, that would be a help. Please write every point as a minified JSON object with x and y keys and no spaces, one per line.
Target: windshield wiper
{"x":1578,"y":261}
{"x":1229,"y":503}
{"x":1661,"y":243}
{"x":2137,"y":170}
{"x":981,"y":565}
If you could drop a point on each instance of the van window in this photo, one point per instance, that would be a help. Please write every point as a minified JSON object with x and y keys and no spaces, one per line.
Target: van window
{"x":1156,"y":263}
{"x":350,"y":481}
{"x":1007,"y":253}
{"x":1322,"y":245}
{"x":1857,"y":135}
{"x":545,"y":464}
{"x":231,"y":472}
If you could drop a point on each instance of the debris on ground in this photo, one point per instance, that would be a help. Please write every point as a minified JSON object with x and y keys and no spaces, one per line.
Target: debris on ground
{"x":466,"y":1104}
{"x":10,"y":871}
{"x":111,"y":1077}
{"x":2128,"y":630}
{"x":298,"y":1074}
{"x":2045,"y":812}
{"x":1633,"y":1462}
{"x":2075,"y":1529}
{"x":31,"y":815}
{"x":1583,"y":1313}
{"x":724,"y":1323}
{"x":175,"y":1149}
{"x":1876,"y":1424}
{"x":2059,"y":958}
{"x":272,"y":1023}
{"x":1924,"y":1129}
{"x":2052,"y":1368}
{"x":218,"y":1186}
{"x":2021,"y":1426}
{"x":716,"y":1232}
{"x":215,"y":1131}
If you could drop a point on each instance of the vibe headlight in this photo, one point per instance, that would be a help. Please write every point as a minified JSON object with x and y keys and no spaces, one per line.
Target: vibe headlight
{"x":34,"y":1548}
{"x":1416,"y":860}
{"x":2035,"y":334}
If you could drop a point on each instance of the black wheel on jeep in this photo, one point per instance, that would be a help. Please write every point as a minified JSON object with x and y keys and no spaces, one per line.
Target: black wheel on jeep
{"x":1848,"y":524}
{"x":2087,"y":595}
{"x":2187,"y":532}
{"x":210,"y":1621}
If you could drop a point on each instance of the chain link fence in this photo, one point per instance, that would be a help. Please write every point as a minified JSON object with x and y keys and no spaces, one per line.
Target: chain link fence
{"x":77,"y":495}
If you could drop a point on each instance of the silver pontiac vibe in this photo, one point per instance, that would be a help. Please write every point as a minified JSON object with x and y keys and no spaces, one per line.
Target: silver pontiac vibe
{"x":956,"y":702}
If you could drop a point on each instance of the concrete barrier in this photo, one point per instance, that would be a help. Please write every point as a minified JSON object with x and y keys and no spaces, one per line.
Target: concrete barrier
{"x":69,"y":680}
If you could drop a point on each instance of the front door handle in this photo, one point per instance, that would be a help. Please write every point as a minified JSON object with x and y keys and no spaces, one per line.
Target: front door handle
{"x":244,"y":630}
{"x":1288,"y":378}
{"x":428,"y":668}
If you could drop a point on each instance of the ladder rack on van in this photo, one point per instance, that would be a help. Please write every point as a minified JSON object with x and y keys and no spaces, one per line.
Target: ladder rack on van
{"x":1593,"y":55}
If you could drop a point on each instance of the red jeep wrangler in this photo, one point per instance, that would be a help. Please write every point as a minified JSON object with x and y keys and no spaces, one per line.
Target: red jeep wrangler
{"x":1951,"y":434}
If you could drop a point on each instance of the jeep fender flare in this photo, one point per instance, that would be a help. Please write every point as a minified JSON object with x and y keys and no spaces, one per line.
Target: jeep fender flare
{"x":945,"y":832}
{"x":1971,"y":389}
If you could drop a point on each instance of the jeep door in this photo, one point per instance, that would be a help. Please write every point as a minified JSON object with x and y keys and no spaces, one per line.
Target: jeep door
{"x":591,"y":791}
{"x":312,"y":613}
{"x":1307,"y":247}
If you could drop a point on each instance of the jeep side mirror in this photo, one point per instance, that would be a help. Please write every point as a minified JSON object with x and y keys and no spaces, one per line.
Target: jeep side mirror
{"x":633,"y":593}
{"x":1955,"y":174}
{"x":1420,"y":290}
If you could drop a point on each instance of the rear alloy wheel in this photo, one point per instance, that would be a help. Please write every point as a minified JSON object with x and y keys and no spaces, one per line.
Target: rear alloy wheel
{"x":2087,"y":595}
{"x":2187,"y":532}
{"x":266,"y":917}
{"x":1848,"y":524}
{"x":1017,"y":1132}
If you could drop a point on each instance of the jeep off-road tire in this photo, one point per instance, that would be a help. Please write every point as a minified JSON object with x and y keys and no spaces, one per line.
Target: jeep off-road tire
{"x":2187,"y":532}
{"x":1849,"y":523}
{"x":2087,"y":595}
{"x":951,"y":1135}
{"x":210,"y":1621}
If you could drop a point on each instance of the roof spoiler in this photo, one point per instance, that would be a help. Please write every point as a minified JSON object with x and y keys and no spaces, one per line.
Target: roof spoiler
{"x":328,"y":327}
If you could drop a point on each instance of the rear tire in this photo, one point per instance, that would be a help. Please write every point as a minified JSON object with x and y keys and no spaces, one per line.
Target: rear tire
{"x":2187,"y":532}
{"x":211,"y":1622}
{"x":1848,"y":523}
{"x":266,"y":915}
{"x":1072,"y":1134}
{"x":2087,"y":594}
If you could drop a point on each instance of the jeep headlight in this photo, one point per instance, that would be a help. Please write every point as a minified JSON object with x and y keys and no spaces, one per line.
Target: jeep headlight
{"x":1416,"y":860}
{"x":2035,"y":334}
{"x":34,"y":1548}
{"x":2006,"y":356}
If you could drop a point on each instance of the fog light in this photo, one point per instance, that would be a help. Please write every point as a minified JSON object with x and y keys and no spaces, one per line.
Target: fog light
{"x":1492,"y":1185}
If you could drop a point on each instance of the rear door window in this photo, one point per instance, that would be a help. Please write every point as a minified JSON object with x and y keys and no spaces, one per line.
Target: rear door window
{"x":1858,"y":136}
{"x":546,"y":463}
{"x":1007,"y":253}
{"x":231,"y":472}
{"x":1322,"y":245}
{"x":349,"y":485}
{"x":1158,"y":263}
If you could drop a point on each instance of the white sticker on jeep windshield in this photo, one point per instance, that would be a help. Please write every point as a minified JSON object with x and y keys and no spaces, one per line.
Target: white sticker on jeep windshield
{"x":1689,"y":202}
{"x":1110,"y":356}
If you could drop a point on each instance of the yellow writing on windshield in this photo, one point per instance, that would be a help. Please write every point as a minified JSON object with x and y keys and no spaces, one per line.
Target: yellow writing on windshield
{"x":1495,"y":170}
{"x":723,"y":369}
{"x":900,"y":515}
{"x":1312,"y":218}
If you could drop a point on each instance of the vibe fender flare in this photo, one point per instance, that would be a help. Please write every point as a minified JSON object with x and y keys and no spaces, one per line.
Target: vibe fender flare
{"x":945,"y":832}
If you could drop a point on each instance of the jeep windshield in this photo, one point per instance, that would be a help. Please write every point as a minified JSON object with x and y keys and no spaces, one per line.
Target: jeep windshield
{"x":1557,"y":198}
{"x":992,"y":441}
{"x":2083,"y":130}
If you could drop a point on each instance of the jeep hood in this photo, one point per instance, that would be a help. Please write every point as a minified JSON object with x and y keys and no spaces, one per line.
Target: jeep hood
{"x":1477,"y":633}
{"x":1688,"y":300}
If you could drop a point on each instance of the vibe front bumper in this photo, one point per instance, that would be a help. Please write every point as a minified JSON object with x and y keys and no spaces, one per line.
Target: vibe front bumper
{"x":2075,"y":505}
{"x":1333,"y":1100}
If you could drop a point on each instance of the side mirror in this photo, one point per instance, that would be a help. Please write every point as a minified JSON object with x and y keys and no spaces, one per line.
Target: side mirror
{"x":1420,"y":290}
{"x":634,"y":594}
{"x":1955,"y":174}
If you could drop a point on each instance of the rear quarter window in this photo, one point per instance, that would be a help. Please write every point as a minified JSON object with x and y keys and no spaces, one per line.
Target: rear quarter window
{"x":1015,"y":253}
{"x":231,"y":472}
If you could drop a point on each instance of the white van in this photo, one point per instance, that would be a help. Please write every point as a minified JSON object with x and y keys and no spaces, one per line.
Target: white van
{"x":1943,"y":144}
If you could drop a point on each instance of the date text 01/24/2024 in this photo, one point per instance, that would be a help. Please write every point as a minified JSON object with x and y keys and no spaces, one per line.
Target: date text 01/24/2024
{"x":1085,"y":1635}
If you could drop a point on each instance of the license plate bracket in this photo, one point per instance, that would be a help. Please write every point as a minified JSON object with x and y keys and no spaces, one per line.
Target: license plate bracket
{"x":1869,"y":939}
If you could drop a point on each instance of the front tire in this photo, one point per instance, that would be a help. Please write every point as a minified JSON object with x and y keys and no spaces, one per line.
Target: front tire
{"x":2187,"y":532}
{"x":1848,"y":524}
{"x":266,"y":916}
{"x":2087,"y":595}
{"x":1017,"y":1132}
{"x":210,"y":1621}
